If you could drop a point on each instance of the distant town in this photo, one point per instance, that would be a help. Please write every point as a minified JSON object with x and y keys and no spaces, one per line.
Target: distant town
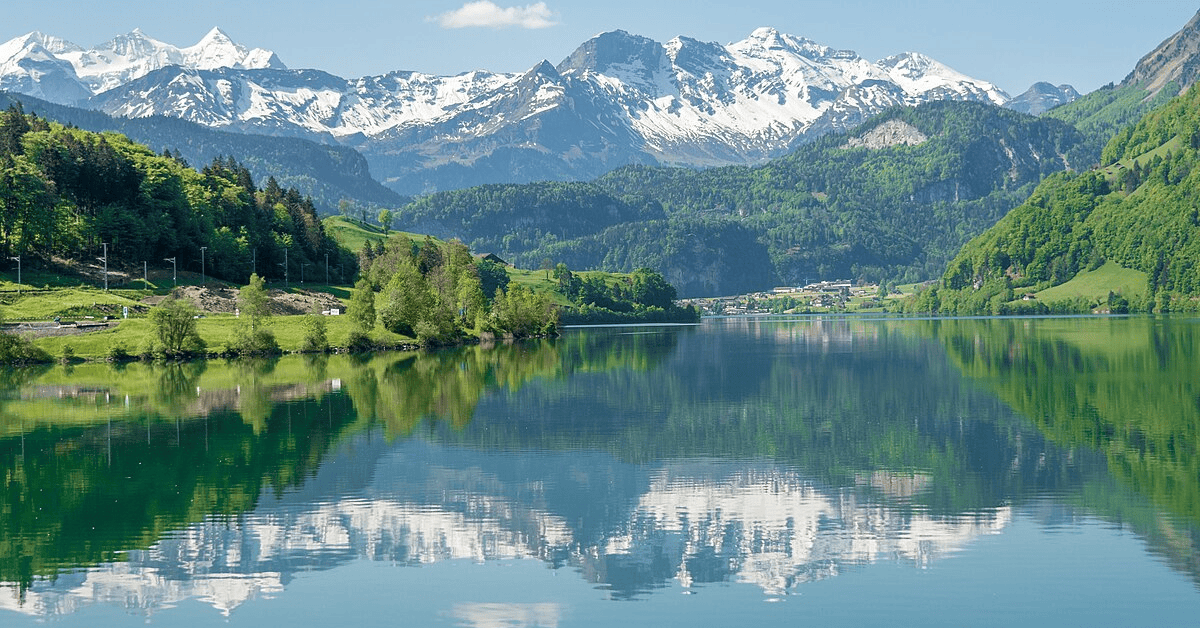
{"x":840,"y":295}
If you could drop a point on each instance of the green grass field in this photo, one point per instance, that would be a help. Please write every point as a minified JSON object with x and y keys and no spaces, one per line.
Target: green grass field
{"x":216,"y":330}
{"x":1096,"y":284}
{"x":353,"y":234}
{"x":1171,"y":146}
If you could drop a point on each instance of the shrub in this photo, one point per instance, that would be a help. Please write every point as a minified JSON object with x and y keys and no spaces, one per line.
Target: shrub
{"x":174,"y":323}
{"x":316,"y":335}
{"x":359,"y":342}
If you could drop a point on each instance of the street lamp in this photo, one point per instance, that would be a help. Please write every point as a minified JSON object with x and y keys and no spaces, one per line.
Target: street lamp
{"x":18,"y":259}
{"x":105,"y":258}
{"x":174,"y":274}
{"x":302,"y":272}
{"x":202,"y":279}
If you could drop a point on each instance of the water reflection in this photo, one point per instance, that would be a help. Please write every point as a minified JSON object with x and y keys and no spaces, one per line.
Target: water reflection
{"x":752,"y":453}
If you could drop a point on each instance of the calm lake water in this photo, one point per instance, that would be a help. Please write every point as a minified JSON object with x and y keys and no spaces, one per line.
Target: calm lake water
{"x":762,"y":472}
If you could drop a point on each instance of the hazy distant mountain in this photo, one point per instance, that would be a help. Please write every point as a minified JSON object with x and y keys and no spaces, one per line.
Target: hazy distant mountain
{"x":1042,"y":97}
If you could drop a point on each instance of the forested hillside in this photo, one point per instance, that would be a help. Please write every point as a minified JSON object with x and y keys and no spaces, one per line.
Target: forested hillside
{"x":64,"y":192}
{"x":323,"y":172}
{"x":894,"y":199}
{"x":1102,"y":113}
{"x":1140,"y":212}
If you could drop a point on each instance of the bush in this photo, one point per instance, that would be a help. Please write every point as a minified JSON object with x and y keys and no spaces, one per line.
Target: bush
{"x":359,"y":342}
{"x":253,"y":342}
{"x":118,"y":353}
{"x":175,"y":328}
{"x":17,"y":350}
{"x":316,"y":336}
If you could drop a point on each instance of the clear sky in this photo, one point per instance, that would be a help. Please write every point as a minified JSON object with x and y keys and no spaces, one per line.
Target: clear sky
{"x":1011,"y":43}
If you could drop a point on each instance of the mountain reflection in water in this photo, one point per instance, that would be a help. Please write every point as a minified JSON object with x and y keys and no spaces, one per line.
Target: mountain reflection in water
{"x":746,"y":453}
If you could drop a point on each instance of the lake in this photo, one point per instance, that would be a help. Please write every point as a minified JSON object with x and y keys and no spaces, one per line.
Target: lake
{"x":744,"y":472}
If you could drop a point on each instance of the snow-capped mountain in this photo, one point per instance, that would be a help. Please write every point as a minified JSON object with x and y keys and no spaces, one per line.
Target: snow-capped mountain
{"x":618,"y":99}
{"x":30,"y":65}
{"x":28,"y":59}
{"x":1042,"y":97}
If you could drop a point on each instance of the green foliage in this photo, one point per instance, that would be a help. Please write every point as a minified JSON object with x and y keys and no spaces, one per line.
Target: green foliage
{"x":324,"y":172}
{"x":492,"y":276}
{"x":1102,"y":113}
{"x":16,"y":350}
{"x":362,"y":306}
{"x":316,"y":334}
{"x":406,"y":300}
{"x":254,"y":303}
{"x":523,"y":312}
{"x":251,"y":336}
{"x":385,"y":220}
{"x":118,"y":353}
{"x":174,"y":322}
{"x":63,"y":191}
{"x":1145,"y":221}
{"x":825,"y":211}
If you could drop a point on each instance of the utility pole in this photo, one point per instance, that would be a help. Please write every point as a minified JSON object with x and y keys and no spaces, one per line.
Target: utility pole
{"x":202,"y":278}
{"x":285,"y":269}
{"x":174,"y":274}
{"x":326,"y":269}
{"x":18,"y":258}
{"x":105,"y":258}
{"x":254,"y":263}
{"x":302,"y":272}
{"x":145,"y":276}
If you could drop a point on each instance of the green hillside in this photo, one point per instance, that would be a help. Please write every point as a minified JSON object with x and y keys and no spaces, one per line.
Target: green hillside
{"x":66,"y":193}
{"x":1139,"y":213}
{"x":326,"y":173}
{"x":1102,"y":113}
{"x":849,"y":205}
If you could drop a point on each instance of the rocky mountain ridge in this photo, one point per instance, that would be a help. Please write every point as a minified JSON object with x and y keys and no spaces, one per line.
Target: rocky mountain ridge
{"x":618,"y":99}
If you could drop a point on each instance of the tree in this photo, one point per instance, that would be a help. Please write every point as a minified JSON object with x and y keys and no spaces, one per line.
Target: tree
{"x":316,"y":334}
{"x":174,"y":322}
{"x":253,"y":303}
{"x":252,"y":337}
{"x":651,"y":290}
{"x":407,"y":300}
{"x":492,"y":276}
{"x":362,"y":306}
{"x":385,"y":220}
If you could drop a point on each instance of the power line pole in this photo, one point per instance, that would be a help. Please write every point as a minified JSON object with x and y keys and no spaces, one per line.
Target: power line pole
{"x":105,"y":258}
{"x":202,"y":278}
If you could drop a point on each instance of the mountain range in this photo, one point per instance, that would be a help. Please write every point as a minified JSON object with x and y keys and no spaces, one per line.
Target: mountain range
{"x":618,"y":99}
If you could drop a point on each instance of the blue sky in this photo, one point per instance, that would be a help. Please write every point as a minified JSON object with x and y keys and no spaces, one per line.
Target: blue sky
{"x":1010,"y":43}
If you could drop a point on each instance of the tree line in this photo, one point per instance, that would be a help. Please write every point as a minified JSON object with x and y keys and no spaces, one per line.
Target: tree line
{"x":66,"y":192}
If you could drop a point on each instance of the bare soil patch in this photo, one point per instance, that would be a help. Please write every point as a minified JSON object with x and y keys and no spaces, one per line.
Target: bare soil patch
{"x":223,"y":300}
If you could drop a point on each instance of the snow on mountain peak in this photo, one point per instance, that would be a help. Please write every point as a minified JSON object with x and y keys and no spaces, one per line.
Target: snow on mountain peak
{"x":919,"y":74}
{"x":769,"y":42}
{"x":122,"y":59}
